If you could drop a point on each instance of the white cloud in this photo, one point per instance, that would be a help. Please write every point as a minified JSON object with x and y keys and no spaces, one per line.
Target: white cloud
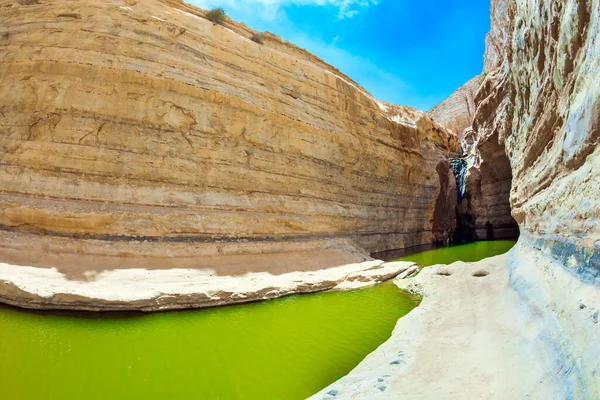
{"x":347,"y":8}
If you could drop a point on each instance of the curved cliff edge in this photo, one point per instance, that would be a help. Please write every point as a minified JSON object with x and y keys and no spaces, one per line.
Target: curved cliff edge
{"x":150,"y":159}
{"x":525,"y":324}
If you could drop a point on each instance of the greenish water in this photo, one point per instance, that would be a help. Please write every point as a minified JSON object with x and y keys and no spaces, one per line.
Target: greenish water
{"x":288,"y":348}
{"x":465,"y":252}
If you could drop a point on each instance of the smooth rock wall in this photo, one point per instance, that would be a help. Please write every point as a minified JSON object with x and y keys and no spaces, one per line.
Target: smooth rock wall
{"x":542,"y":100}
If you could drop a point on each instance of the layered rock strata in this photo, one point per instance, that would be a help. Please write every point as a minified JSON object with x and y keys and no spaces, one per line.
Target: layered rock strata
{"x":541,"y":101}
{"x":141,"y":136}
{"x":457,"y":111}
{"x":483,"y":209}
{"x":522,"y":325}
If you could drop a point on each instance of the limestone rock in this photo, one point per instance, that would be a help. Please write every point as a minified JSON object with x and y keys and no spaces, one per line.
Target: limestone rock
{"x":457,"y":111}
{"x":541,"y":101}
{"x":141,"y":135}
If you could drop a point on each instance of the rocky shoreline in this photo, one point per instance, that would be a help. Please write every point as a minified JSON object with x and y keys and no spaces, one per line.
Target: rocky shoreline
{"x":513,"y":326}
{"x":178,"y":288}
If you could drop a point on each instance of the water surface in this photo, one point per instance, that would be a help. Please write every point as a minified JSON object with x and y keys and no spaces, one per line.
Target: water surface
{"x":288,"y":348}
{"x":470,"y":252}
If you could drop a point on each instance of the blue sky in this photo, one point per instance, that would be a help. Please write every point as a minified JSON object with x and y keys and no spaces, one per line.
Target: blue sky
{"x":409,"y":52}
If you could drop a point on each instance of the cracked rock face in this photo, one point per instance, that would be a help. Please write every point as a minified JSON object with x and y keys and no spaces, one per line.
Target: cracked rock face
{"x":141,"y":135}
{"x":541,"y":101}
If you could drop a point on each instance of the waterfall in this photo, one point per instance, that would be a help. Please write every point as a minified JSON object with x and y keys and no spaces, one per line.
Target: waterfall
{"x":459,"y":167}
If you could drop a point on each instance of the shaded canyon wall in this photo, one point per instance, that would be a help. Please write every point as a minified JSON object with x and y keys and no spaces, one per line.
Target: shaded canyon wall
{"x":483,"y":208}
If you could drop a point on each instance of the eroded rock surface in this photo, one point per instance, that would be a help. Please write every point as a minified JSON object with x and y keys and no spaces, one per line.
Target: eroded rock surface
{"x":485,"y":212}
{"x":457,"y":111}
{"x":139,"y":135}
{"x":470,"y":338}
{"x":522,"y":325}
{"x":541,"y":101}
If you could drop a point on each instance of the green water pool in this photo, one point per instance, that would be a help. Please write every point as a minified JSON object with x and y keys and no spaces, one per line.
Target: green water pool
{"x":288,"y":348}
{"x":470,"y":252}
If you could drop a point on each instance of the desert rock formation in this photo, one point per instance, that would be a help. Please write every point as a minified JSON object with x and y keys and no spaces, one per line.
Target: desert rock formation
{"x":139,"y":135}
{"x":457,"y":111}
{"x":540,"y":101}
{"x":484,"y":212}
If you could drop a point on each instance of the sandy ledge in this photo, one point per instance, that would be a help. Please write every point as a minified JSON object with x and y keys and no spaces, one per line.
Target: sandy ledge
{"x":153,"y":290}
{"x":528,"y":329}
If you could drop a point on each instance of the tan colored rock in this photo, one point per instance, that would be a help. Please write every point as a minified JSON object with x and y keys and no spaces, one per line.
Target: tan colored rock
{"x":457,"y":111}
{"x":140,"y":135}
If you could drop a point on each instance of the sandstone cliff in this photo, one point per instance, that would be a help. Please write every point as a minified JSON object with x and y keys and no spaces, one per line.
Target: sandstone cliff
{"x":139,"y":135}
{"x":457,"y":111}
{"x":484,"y":210}
{"x":524,"y":324}
{"x":540,"y":101}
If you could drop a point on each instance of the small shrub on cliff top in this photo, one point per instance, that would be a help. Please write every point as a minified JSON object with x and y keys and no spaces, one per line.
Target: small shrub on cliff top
{"x":257,"y":37}
{"x":217,"y":15}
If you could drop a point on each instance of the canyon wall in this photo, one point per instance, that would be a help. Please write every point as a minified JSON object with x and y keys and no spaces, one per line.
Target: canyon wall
{"x":540,"y":101}
{"x":139,"y":135}
{"x":457,"y":111}
{"x":484,"y":210}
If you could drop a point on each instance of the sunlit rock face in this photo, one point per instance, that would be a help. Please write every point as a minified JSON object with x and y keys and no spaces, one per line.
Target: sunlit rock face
{"x":540,"y":100}
{"x":139,"y":134}
{"x":457,"y":111}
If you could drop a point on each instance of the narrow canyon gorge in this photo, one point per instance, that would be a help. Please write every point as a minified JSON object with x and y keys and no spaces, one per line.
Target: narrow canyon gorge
{"x":151,"y":159}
